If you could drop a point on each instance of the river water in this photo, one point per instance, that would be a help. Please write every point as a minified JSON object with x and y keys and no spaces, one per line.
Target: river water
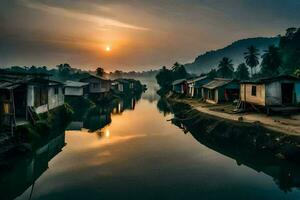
{"x":140,"y":154}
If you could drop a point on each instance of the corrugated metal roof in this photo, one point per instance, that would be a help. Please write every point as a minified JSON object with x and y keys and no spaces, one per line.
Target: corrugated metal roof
{"x":75,"y":84}
{"x":273,"y":79}
{"x":178,"y":81}
{"x":196,"y":79}
{"x":218,"y":82}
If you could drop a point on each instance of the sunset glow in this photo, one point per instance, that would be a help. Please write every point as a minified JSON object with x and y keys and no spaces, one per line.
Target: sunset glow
{"x":108,"y":48}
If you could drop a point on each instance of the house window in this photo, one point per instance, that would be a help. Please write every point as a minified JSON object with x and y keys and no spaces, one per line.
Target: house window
{"x":95,"y":85}
{"x":40,"y":96}
{"x":6,"y":108}
{"x":253,"y":91}
{"x":56,"y":90}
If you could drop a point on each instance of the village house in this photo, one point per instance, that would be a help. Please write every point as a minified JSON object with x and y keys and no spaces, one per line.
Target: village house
{"x":21,"y":94}
{"x":180,"y":86}
{"x":123,"y":85}
{"x":195,"y":86}
{"x":221,"y":90}
{"x":97,"y":85}
{"x":271,"y":92}
{"x":74,"y":88}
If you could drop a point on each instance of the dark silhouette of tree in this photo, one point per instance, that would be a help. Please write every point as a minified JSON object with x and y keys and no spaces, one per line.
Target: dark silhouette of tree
{"x":225,"y":68}
{"x":212,"y":74}
{"x":242,"y":72}
{"x":251,"y":57}
{"x":290,"y":51}
{"x":179,"y":71}
{"x":100,"y":71}
{"x":64,"y":69}
{"x":271,"y":61}
{"x":164,"y":77}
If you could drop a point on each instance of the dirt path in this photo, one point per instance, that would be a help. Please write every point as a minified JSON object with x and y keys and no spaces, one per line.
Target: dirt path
{"x":288,"y":125}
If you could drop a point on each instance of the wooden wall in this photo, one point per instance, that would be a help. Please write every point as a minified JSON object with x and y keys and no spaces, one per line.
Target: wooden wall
{"x":259,"y":99}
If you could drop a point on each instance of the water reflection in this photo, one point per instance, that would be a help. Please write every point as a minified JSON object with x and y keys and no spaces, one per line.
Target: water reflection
{"x":285,"y":174}
{"x":99,"y":116}
{"x":21,"y":175}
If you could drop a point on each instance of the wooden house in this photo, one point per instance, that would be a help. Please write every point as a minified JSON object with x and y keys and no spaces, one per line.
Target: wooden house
{"x":180,"y":86}
{"x":123,"y":85}
{"x":97,"y":85}
{"x":21,"y":94}
{"x":195,"y":86}
{"x":268,"y":92}
{"x":74,"y":88}
{"x":221,"y":90}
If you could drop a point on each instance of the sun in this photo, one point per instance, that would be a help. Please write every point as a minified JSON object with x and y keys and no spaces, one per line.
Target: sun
{"x":108,"y":48}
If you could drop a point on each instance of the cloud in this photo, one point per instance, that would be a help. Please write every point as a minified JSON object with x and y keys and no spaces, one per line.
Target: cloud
{"x":98,"y":20}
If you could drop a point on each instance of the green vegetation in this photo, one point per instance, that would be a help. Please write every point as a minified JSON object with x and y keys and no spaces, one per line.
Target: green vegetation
{"x":251,"y":57}
{"x":45,"y":124}
{"x":165,"y":77}
{"x":242,"y":72}
{"x":225,"y":68}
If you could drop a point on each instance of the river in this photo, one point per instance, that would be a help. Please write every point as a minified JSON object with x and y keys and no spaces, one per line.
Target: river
{"x":140,"y":154}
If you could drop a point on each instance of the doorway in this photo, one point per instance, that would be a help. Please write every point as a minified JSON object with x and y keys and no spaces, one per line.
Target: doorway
{"x":287,"y":92}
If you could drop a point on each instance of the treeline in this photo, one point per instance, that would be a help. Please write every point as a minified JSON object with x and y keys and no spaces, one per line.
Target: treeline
{"x":276,"y":60}
{"x":65,"y":72}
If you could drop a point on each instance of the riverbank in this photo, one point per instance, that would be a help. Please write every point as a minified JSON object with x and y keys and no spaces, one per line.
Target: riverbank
{"x":285,"y":124}
{"x":253,"y":137}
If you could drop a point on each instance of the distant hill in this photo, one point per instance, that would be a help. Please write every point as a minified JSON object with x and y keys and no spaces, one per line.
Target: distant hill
{"x":205,"y":62}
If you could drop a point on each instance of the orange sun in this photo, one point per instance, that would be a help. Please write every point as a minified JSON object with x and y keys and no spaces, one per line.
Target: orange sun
{"x":108,"y":48}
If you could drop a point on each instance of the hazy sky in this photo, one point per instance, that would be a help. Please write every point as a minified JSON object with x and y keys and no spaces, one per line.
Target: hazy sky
{"x":142,"y":34}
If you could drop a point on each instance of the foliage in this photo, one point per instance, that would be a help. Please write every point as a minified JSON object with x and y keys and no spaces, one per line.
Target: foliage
{"x":242,"y":72}
{"x":290,"y":51}
{"x":271,"y":61}
{"x":212,"y":74}
{"x":100,"y":71}
{"x":225,"y":68}
{"x":297,"y":73}
{"x":251,"y":57}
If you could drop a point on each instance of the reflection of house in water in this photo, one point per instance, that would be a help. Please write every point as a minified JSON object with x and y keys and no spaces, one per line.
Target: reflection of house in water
{"x":21,"y":94}
{"x":25,"y":172}
{"x":124,"y":104}
{"x":286,"y":175}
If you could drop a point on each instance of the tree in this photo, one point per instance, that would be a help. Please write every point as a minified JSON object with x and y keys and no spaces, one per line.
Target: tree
{"x":225,"y":68}
{"x":179,"y":71}
{"x":100,"y":71}
{"x":290,"y":51}
{"x":212,"y":74}
{"x":297,"y":73}
{"x":64,"y":69}
{"x":290,"y":32}
{"x":251,"y":57}
{"x":271,"y":61}
{"x":164,"y":78}
{"x":242,"y":72}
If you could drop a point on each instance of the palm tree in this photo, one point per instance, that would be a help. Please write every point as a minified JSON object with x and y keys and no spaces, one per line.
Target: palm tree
{"x":242,"y":72}
{"x":226,"y":68}
{"x":271,"y":61}
{"x":251,"y":57}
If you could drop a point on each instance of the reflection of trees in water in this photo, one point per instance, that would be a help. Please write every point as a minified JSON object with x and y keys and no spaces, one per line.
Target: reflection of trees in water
{"x":163,"y":107}
{"x":23,"y":172}
{"x":100,"y":116}
{"x":285,"y":174}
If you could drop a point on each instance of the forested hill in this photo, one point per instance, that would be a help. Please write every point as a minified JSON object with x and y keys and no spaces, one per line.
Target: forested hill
{"x":205,"y":62}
